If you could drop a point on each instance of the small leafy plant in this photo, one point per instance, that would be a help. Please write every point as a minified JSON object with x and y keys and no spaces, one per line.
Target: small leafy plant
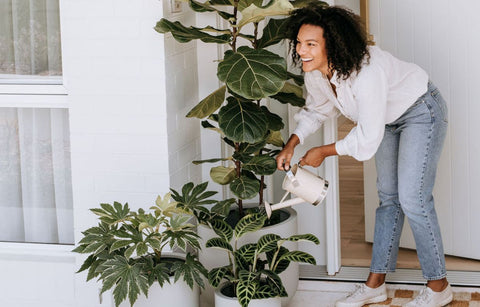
{"x":253,"y":268}
{"x":126,"y":248}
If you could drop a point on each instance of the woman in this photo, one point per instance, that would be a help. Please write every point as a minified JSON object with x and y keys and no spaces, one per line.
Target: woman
{"x":400,"y":118}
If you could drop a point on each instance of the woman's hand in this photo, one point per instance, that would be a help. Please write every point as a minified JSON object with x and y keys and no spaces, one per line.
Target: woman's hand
{"x":315,"y":156}
{"x":285,"y":156}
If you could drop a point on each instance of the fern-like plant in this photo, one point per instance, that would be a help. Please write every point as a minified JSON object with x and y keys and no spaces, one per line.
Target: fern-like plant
{"x":253,"y":268}
{"x":126,"y":248}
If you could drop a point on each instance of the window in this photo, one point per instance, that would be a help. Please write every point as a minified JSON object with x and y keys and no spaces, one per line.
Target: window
{"x":29,"y":39}
{"x":35,"y":181}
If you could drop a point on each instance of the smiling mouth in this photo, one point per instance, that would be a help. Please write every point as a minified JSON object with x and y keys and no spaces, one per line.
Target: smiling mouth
{"x":307,"y":60}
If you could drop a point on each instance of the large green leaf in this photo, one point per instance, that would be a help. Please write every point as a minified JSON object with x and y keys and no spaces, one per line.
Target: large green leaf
{"x":245,"y":187}
{"x":275,"y":138}
{"x":298,"y":79}
{"x":126,"y":279}
{"x":292,"y":94}
{"x":275,"y":283}
{"x":191,"y":270}
{"x":290,"y":98}
{"x":242,"y":121}
{"x":268,"y":242}
{"x":273,"y":33}
{"x":253,"y":74}
{"x":112,"y":214}
{"x":185,"y":34}
{"x":261,"y":165}
{"x":192,"y":196}
{"x":219,"y":243}
{"x":209,"y":104}
{"x":222,"y":175}
{"x":216,"y":275}
{"x":304,"y":237}
{"x":249,"y":223}
{"x":274,"y":122}
{"x":249,"y":148}
{"x":298,"y":256}
{"x":292,"y":88}
{"x":246,"y":287}
{"x":265,"y":291}
{"x":196,"y":162}
{"x":222,"y":229}
{"x":247,"y":252}
{"x":254,"y":13}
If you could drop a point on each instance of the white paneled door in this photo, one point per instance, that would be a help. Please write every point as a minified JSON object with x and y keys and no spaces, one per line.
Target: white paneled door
{"x":442,"y":37}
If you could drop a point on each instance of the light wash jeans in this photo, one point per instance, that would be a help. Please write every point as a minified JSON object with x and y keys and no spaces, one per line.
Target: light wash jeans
{"x":406,"y":166}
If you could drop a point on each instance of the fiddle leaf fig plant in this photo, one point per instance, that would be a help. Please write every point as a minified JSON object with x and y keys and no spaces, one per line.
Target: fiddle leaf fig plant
{"x":126,"y":248}
{"x":251,"y":75}
{"x":253,"y":268}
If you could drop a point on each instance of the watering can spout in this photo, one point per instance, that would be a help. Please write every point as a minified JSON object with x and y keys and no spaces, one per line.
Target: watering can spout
{"x":307,"y":186}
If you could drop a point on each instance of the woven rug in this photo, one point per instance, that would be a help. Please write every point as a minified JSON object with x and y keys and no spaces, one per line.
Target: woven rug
{"x":397,"y":298}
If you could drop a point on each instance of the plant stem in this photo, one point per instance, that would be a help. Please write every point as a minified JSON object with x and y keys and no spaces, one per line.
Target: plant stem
{"x":234,"y":24}
{"x":260,"y":193}
{"x":255,"y":34}
{"x":273,"y":265}
{"x":238,"y":168}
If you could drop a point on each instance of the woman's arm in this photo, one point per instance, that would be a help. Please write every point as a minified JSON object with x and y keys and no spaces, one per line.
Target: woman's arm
{"x":315,"y":156}
{"x":285,"y":156}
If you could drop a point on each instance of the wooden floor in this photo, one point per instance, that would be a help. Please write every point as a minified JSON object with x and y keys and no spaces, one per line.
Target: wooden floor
{"x":355,"y":251}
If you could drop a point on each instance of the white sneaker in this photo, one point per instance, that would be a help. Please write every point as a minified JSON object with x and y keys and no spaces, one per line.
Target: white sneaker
{"x":430,"y":298}
{"x":364,"y":295}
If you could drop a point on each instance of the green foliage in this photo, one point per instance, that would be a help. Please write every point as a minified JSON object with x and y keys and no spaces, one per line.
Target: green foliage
{"x":238,"y":112}
{"x":126,"y":247}
{"x":251,"y":75}
{"x":193,"y":199}
{"x":254,"y":267}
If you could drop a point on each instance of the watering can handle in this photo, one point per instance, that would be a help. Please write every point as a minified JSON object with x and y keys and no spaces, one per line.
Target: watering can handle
{"x":284,"y":197}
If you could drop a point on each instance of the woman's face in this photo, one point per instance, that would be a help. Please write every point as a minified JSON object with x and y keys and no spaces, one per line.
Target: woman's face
{"x":311,"y":49}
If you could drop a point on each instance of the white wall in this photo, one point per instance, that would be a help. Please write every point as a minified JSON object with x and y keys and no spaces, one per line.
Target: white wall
{"x":442,"y":37}
{"x":181,"y":79}
{"x":128,"y":91}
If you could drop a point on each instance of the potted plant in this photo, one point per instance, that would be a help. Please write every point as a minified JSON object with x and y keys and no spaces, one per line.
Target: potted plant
{"x":252,"y":272}
{"x":252,"y":75}
{"x":127,"y":254}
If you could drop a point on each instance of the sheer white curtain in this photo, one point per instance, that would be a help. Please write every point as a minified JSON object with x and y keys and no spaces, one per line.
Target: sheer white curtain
{"x":30,"y":38}
{"x":35,"y":177}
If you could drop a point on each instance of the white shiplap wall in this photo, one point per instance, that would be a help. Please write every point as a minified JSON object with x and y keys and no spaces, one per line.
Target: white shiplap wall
{"x":442,"y":37}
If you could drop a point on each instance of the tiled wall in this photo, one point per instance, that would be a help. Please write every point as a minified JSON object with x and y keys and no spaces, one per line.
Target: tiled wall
{"x":181,"y":81}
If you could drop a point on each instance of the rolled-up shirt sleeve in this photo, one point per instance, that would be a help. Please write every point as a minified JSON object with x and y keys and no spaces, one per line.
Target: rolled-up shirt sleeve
{"x":371,"y":95}
{"x":317,"y":109}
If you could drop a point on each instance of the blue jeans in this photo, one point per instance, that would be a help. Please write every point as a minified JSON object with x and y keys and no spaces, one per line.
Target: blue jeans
{"x":406,"y":164}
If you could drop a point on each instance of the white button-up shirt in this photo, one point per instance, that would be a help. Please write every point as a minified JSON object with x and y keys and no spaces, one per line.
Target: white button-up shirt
{"x":378,"y":95}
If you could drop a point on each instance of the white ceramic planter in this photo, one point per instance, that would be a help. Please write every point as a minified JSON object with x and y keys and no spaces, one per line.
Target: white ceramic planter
{"x":225,"y":301}
{"x":171,"y":294}
{"x":212,"y":257}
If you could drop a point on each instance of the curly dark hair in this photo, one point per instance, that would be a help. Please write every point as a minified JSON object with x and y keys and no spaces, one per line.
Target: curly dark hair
{"x":343,"y":31}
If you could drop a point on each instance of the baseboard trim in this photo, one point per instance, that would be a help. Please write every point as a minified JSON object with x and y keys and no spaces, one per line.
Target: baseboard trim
{"x":403,"y":276}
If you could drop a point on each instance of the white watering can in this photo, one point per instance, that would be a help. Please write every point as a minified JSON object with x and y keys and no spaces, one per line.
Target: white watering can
{"x":302,"y":183}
